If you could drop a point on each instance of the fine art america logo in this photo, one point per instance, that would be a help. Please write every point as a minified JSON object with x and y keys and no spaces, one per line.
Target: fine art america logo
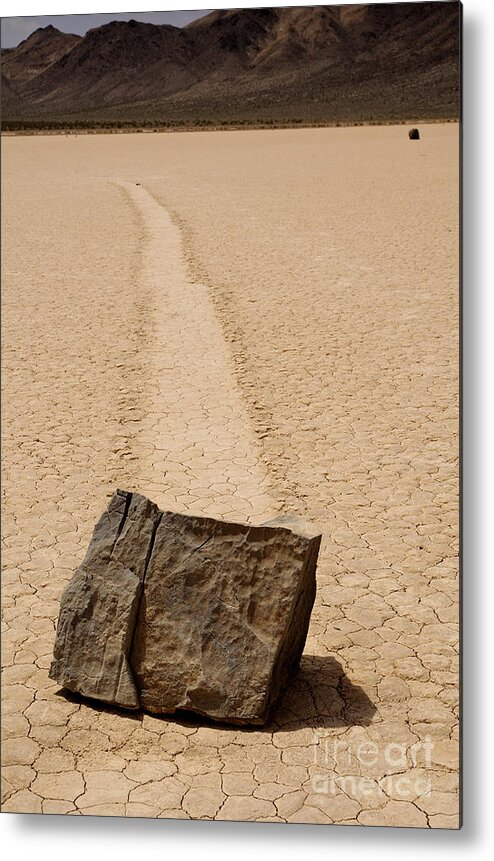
{"x":345,"y":768}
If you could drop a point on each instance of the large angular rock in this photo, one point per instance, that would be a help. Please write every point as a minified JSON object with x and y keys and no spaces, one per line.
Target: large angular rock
{"x":98,"y":610}
{"x":170,"y":611}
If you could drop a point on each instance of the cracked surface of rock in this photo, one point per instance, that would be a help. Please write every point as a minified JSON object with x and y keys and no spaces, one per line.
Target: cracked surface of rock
{"x":170,"y":611}
{"x":99,"y":607}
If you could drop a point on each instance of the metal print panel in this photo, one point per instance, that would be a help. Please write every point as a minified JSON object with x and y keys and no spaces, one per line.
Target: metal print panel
{"x":230,"y":285}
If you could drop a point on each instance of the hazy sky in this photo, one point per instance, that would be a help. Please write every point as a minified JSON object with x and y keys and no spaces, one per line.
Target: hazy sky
{"x":14,"y":30}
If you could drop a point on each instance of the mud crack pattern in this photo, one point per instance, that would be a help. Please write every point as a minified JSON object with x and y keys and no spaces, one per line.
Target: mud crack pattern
{"x":266,"y":322}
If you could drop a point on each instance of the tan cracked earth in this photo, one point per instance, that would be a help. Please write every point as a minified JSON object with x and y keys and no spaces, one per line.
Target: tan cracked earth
{"x":238,"y":324}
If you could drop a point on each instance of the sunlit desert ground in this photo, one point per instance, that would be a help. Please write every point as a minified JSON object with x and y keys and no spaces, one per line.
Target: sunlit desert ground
{"x":239,"y":324}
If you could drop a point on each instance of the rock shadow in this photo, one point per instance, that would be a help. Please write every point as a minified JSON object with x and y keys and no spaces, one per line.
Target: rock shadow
{"x":319,"y":695}
{"x":98,"y":705}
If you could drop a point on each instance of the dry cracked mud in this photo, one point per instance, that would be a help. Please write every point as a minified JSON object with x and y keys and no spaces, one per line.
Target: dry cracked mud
{"x":266,"y":323}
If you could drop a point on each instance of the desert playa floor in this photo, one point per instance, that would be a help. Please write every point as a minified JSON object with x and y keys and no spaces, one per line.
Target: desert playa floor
{"x":239,"y":324}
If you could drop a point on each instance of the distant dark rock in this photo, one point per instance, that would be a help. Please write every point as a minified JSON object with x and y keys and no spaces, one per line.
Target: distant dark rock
{"x":414,"y":134}
{"x":170,"y":611}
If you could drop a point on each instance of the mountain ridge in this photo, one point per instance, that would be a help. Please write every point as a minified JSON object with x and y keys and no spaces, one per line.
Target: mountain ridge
{"x":324,"y":63}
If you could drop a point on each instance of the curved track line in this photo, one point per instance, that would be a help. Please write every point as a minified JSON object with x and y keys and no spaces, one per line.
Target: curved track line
{"x":201,"y":432}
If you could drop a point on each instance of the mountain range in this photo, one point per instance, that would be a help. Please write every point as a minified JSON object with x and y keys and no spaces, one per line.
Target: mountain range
{"x":357,"y":63}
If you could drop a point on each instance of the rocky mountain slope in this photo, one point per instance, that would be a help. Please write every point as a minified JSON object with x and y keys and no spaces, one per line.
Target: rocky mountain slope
{"x":322,"y":64}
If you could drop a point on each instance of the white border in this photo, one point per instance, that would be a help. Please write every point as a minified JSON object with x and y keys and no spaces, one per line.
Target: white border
{"x":72,"y":7}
